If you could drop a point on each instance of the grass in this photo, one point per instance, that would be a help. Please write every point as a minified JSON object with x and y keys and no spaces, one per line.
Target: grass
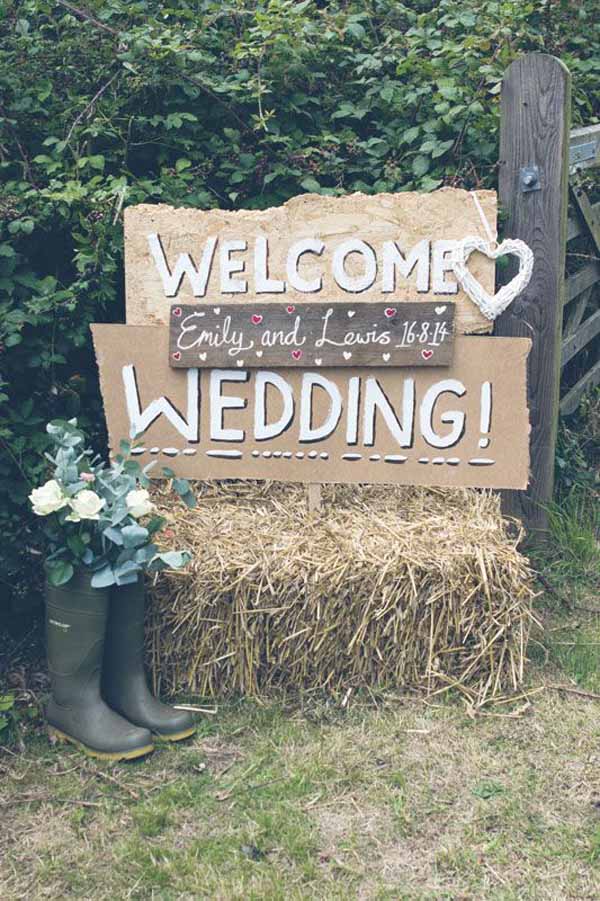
{"x":388,"y":797}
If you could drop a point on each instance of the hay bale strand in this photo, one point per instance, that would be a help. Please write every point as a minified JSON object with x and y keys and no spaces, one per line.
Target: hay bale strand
{"x":384,"y":587}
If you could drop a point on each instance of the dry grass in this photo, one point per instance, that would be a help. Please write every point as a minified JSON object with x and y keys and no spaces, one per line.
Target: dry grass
{"x":401,"y":798}
{"x":384,"y":587}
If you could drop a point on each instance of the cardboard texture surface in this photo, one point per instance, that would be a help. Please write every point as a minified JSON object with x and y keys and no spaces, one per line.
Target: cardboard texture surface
{"x":311,"y":334}
{"x":467,"y":425}
{"x":181,"y":255}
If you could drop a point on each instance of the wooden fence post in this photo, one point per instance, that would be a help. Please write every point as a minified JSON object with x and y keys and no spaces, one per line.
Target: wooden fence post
{"x":534,"y":148}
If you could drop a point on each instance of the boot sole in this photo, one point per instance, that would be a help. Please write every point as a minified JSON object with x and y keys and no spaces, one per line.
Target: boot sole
{"x":176,"y":736}
{"x":63,"y":738}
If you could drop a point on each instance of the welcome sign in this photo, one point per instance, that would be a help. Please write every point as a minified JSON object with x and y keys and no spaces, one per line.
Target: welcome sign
{"x":320,"y":342}
{"x":388,"y":248}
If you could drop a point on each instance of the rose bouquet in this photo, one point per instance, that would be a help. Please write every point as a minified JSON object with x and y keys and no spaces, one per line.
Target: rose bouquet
{"x":99,"y":517}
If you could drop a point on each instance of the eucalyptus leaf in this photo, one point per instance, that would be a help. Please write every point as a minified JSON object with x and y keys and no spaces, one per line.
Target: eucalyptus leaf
{"x":113,"y":535}
{"x":130,"y":566}
{"x":104,"y":577}
{"x":173,"y":559}
{"x":134,"y":535}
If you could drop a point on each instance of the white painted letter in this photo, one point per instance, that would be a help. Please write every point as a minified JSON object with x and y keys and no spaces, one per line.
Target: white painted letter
{"x":353,"y":402}
{"x":375,"y":399}
{"x":306,"y":245}
{"x":354,"y":283}
{"x":262,"y":431}
{"x":393,"y":259}
{"x":454,"y":417}
{"x":218,"y":403}
{"x":307,"y":432}
{"x":184,"y":266}
{"x":262,"y":283}
{"x":441,"y":265}
{"x":140,"y":420}
{"x":228,"y":266}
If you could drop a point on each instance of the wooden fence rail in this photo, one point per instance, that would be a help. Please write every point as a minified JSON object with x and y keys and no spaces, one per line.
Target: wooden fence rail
{"x":580,"y":357}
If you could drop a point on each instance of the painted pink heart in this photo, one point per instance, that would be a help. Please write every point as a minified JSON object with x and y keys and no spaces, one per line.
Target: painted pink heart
{"x":257,"y":319}
{"x":296,"y":354}
{"x":177,"y":355}
{"x":177,"y":311}
{"x":390,"y":312}
{"x":427,"y":354}
{"x":291,"y":309}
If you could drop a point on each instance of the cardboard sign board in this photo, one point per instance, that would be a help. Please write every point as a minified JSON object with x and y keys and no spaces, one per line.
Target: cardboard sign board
{"x":387,"y":248}
{"x":467,"y":425}
{"x":311,"y":334}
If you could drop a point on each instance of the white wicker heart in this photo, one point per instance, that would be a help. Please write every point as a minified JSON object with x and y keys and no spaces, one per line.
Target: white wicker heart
{"x":492,"y":305}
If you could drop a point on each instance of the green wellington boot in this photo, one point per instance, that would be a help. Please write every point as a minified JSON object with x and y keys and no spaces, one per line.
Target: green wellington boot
{"x":124,"y":684}
{"x":76,"y":625}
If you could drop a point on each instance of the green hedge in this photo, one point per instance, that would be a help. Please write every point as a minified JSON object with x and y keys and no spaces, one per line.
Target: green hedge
{"x":206,"y":104}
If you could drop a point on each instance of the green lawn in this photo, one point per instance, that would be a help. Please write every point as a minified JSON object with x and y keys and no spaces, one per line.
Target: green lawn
{"x":390,"y":797}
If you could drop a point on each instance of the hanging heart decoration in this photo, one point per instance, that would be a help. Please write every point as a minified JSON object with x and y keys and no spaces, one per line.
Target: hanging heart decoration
{"x":492,"y":305}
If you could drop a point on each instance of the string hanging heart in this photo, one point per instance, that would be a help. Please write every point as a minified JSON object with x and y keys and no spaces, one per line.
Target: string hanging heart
{"x":491,"y":305}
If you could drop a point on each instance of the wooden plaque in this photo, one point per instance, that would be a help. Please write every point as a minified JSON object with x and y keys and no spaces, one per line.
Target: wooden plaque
{"x":255,"y":335}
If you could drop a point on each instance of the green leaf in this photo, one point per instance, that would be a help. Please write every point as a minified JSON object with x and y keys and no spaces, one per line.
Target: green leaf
{"x":59,"y":572}
{"x":420,"y":165}
{"x":155,"y":524}
{"x":310,"y":184}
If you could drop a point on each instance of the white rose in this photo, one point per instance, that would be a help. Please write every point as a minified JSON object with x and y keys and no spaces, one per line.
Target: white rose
{"x":48,"y":498}
{"x":85,"y":505}
{"x":139,"y":503}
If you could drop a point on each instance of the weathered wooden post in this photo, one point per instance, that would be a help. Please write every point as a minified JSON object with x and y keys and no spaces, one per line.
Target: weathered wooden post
{"x":534,"y":147}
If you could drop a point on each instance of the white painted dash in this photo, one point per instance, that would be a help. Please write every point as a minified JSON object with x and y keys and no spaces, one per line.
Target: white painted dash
{"x":226,"y":454}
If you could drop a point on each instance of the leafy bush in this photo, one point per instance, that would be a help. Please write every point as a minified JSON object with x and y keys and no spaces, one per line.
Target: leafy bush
{"x":205,"y":104}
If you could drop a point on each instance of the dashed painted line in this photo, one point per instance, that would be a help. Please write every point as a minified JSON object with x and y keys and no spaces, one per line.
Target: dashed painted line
{"x":310,"y":455}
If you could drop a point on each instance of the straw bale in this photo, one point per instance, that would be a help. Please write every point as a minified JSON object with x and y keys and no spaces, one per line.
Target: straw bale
{"x":384,"y":587}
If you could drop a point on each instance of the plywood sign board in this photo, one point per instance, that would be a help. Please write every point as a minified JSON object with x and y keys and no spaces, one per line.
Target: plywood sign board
{"x":466,"y":425}
{"x":387,"y":247}
{"x":311,"y":334}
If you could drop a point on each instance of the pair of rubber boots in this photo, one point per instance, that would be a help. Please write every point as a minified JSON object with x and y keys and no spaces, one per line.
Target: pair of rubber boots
{"x":100,"y":699}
